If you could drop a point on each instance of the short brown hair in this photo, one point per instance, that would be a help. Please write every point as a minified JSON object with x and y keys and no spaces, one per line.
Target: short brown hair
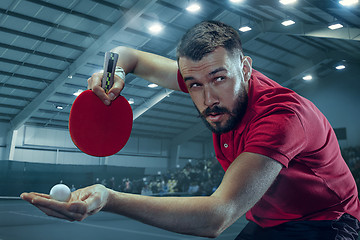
{"x":205,"y":37}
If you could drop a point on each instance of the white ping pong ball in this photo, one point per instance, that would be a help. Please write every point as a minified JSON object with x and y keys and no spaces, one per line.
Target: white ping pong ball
{"x":60,"y":192}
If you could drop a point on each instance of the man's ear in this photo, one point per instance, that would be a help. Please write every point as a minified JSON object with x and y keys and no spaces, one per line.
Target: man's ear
{"x":247,"y":67}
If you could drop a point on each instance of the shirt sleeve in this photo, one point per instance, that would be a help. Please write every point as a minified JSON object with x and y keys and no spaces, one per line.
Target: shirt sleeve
{"x":279,"y":135}
{"x":181,"y":82}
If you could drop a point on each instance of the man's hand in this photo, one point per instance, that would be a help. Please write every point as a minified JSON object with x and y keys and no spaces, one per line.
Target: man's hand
{"x":151,"y":67}
{"x":83,"y":203}
{"x":94,"y":83}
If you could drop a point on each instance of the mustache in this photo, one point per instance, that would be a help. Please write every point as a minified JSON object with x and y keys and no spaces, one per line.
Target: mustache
{"x":214,"y":110}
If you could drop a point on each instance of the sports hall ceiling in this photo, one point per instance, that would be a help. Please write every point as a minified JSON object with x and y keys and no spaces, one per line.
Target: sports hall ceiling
{"x":49,"y":48}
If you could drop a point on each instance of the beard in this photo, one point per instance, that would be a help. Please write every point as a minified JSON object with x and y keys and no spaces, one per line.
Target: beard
{"x":235,"y":115}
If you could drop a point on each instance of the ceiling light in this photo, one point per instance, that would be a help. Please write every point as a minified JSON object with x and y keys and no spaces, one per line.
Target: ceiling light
{"x":335,"y":26}
{"x":348,"y":2}
{"x":156,"y":28}
{"x":131,"y":101}
{"x":288,"y":22}
{"x":340,"y":67}
{"x":78,"y":92}
{"x":286,"y":2}
{"x":307,"y":77}
{"x":152,"y":85}
{"x":60,"y":107}
{"x":193,"y":7}
{"x":245,"y":29}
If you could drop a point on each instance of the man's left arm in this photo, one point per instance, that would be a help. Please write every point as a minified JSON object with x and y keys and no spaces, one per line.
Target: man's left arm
{"x":244,"y":183}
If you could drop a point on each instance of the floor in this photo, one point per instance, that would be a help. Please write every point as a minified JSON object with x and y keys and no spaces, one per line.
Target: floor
{"x":21,"y":221}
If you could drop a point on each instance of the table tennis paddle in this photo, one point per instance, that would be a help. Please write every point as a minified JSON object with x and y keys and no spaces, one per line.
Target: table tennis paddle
{"x":95,"y":128}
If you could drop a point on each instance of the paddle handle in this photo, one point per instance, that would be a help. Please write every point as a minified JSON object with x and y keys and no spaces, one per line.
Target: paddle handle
{"x":109,"y":70}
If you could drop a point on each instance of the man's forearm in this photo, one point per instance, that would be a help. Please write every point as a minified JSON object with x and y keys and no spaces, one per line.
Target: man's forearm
{"x":128,"y":58}
{"x":199,"y":216}
{"x":151,"y":67}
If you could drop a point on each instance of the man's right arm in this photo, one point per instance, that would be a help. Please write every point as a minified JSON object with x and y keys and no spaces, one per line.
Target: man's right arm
{"x":151,"y":67}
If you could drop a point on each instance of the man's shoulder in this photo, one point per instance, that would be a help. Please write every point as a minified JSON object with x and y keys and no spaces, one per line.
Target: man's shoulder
{"x":265,"y":95}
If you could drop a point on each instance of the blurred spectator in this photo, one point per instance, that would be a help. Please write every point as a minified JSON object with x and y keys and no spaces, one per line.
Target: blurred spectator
{"x":163,"y":187}
{"x":146,"y":190}
{"x":97,"y":181}
{"x":128,"y":186}
{"x":172,"y":184}
{"x":103,"y":182}
{"x":112,"y":183}
{"x":194,"y":188}
{"x":351,"y":156}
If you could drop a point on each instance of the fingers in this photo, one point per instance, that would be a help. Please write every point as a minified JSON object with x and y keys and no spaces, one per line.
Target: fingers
{"x":53,"y":213}
{"x":118,"y":86}
{"x":94,"y":83}
{"x":67,"y":211}
{"x":83,"y":202}
{"x":95,"y":80}
{"x":31,"y":196}
{"x":74,"y":211}
{"x":99,"y":91}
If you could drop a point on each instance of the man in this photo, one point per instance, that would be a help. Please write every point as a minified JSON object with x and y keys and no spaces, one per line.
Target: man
{"x":282,"y":161}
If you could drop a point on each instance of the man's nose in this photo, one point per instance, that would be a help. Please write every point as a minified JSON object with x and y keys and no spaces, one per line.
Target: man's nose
{"x":210,"y":96}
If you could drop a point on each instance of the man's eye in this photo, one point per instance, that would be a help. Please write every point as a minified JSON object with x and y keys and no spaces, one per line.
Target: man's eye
{"x":219,"y":79}
{"x":194,"y":85}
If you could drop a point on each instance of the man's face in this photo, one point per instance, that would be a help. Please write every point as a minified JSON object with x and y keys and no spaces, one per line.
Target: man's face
{"x":218,"y":85}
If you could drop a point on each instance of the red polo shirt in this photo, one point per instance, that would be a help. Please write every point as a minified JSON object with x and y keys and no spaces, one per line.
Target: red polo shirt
{"x":315,"y":183}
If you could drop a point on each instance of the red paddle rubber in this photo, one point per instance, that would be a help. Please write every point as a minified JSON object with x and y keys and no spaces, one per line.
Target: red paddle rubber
{"x":97,"y":129}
